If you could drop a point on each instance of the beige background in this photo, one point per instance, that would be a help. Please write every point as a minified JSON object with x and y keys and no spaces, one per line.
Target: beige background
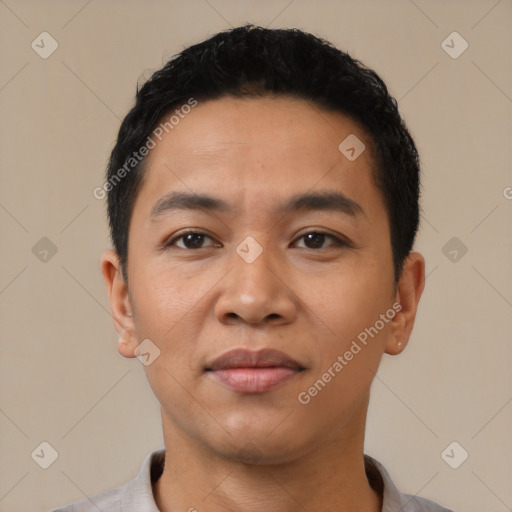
{"x":61,"y":378}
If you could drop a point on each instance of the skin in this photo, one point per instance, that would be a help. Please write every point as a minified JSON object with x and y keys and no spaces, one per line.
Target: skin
{"x":309,"y":300}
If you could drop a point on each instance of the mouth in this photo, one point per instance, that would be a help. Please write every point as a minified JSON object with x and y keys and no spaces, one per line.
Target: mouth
{"x":251,"y":372}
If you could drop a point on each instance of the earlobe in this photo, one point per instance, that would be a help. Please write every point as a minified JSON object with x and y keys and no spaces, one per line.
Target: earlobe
{"x":119,"y":303}
{"x":408,"y":294}
{"x":125,"y":347}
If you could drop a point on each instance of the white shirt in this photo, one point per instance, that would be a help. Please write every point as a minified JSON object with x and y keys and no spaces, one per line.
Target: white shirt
{"x":137,"y":495}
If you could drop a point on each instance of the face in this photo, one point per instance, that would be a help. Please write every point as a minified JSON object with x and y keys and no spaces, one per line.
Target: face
{"x":260,"y":267}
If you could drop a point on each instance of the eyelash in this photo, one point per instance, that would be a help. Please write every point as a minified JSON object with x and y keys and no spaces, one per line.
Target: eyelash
{"x":338,"y":242}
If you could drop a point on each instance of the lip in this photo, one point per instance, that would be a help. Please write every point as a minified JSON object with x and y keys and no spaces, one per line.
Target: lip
{"x":246,"y":371}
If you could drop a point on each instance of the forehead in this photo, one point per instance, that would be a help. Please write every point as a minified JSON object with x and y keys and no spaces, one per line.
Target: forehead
{"x":250,"y":149}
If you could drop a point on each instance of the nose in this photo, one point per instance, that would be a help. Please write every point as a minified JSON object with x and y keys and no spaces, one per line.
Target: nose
{"x":256,"y":293}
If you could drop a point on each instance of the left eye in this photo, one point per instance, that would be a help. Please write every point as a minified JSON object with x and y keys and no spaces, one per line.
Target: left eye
{"x":315,"y":240}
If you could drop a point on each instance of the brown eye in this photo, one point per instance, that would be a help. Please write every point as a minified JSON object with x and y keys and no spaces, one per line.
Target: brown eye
{"x":191,"y":240}
{"x":316,"y":240}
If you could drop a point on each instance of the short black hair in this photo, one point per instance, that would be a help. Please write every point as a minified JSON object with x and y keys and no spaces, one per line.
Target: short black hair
{"x":251,"y":61}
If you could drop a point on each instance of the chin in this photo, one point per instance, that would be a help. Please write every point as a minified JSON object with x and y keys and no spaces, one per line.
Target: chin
{"x":254,"y":446}
{"x":258,"y":454}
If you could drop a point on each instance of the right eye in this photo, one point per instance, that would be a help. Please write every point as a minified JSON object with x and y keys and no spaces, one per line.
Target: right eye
{"x":190,"y":240}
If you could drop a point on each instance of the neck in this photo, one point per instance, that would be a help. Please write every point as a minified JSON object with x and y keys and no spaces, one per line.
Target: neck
{"x":330,"y":477}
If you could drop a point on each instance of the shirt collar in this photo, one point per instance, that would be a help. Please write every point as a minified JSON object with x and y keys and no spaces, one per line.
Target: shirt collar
{"x":392,"y":498}
{"x":137,"y":495}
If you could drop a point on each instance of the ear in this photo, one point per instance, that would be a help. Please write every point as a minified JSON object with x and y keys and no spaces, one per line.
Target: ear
{"x":408,"y":293}
{"x":119,"y":303}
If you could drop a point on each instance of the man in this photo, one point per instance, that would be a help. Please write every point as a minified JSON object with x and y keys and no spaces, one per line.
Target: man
{"x":263,"y":204}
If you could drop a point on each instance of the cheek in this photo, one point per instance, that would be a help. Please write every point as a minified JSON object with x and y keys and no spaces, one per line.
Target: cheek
{"x":348,"y":303}
{"x":165,"y":295}
{"x":168,"y":312}
{"x":350,"y":354}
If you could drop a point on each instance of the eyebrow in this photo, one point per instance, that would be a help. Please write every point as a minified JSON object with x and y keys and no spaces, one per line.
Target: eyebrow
{"x":321,"y":201}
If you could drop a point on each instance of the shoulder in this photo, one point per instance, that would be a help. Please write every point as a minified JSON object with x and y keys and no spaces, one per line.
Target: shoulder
{"x":417,"y":504}
{"x":393,"y":499}
{"x":134,"y":496}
